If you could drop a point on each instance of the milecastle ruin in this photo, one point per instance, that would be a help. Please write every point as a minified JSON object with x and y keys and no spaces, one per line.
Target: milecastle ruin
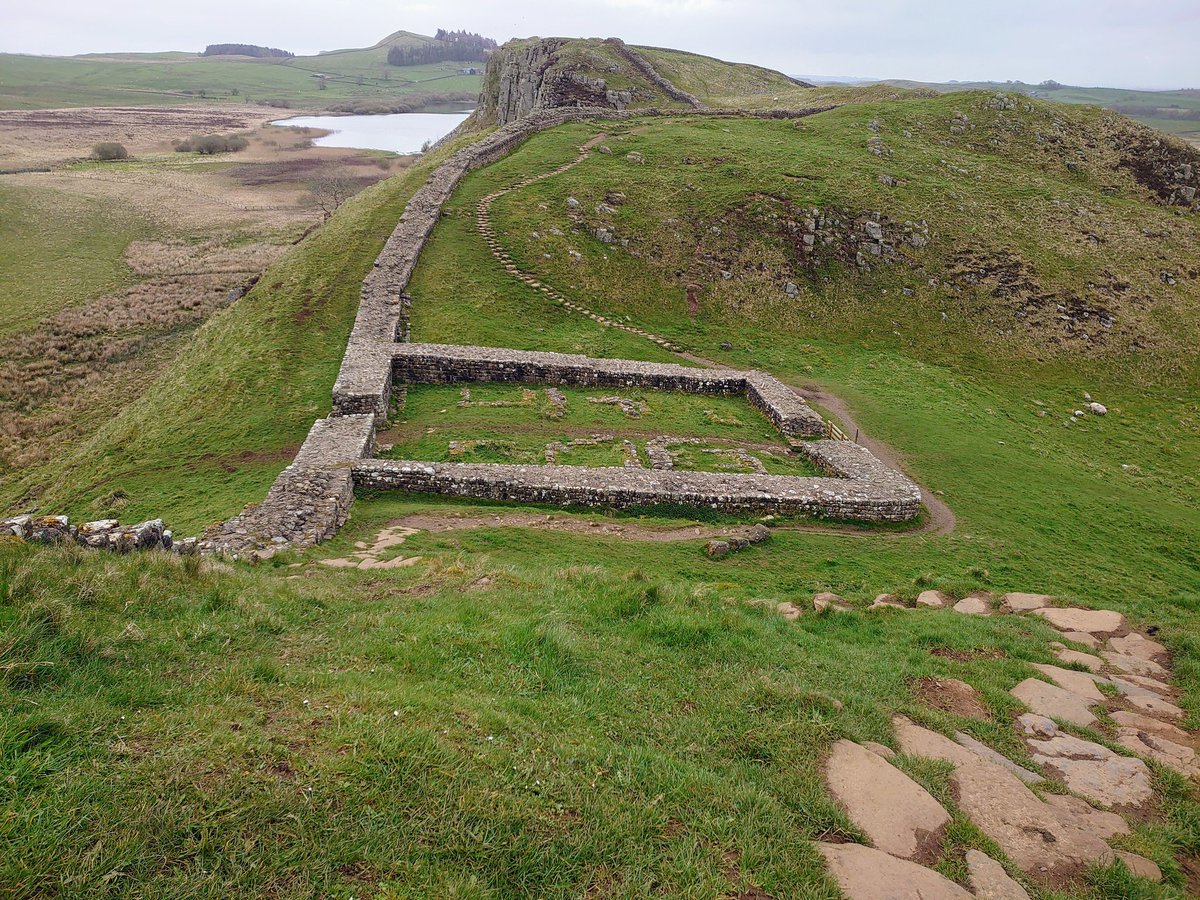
{"x":311,"y":498}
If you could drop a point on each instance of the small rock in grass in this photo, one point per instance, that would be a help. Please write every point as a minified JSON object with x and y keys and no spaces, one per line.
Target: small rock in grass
{"x":1054,"y":702}
{"x":932,"y":599}
{"x":887,"y":600}
{"x":1098,"y":409}
{"x":1140,"y":866}
{"x":989,"y":881}
{"x":826,"y":600}
{"x":976,"y":604}
{"x":880,"y":749}
{"x":789,"y":610}
{"x":717,"y":549}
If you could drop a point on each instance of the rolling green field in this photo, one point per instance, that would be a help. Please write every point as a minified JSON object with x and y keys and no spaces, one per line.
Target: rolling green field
{"x":544,"y":712}
{"x":37,"y":82}
{"x":57,"y":250}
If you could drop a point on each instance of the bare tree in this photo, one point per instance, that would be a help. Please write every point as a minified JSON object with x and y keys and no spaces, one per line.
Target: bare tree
{"x":330,"y":189}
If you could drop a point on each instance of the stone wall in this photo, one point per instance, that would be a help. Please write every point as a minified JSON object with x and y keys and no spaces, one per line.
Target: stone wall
{"x":652,"y":75}
{"x":866,"y":489}
{"x":451,"y":364}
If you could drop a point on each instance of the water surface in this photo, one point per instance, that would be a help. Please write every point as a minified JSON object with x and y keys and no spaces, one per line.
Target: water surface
{"x":398,"y":132}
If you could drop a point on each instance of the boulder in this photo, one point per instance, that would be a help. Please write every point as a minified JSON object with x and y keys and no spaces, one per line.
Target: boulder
{"x":893,"y":811}
{"x":18,"y":526}
{"x":989,"y":881}
{"x":866,"y":874}
{"x":1054,"y":702}
{"x":49,"y":530}
{"x":1091,"y":621}
{"x":758,"y":534}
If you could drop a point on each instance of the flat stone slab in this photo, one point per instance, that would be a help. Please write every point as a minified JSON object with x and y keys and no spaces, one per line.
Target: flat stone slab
{"x":1077,"y":683}
{"x":893,"y":811}
{"x":1019,"y":602}
{"x":1050,"y":700}
{"x":1146,"y":700}
{"x":983,"y":750}
{"x":1087,"y":660}
{"x":1082,"y":637}
{"x":1134,"y":644}
{"x":1171,"y":753}
{"x":1047,"y":841}
{"x":1134,"y":665}
{"x":989,"y":881}
{"x":1140,"y":866}
{"x":1094,"y":771}
{"x":864,"y":873}
{"x":1089,"y":621}
{"x":1142,"y":722}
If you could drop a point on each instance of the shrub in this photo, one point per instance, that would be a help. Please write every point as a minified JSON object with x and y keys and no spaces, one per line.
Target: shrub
{"x":208,"y":144}
{"x":108,"y":150}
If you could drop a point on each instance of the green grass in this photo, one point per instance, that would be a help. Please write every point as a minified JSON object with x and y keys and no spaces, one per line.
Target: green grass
{"x":307,"y":731}
{"x":198,"y":732}
{"x":58,"y":250}
{"x":519,"y":432}
{"x":37,"y":82}
{"x":230,"y":411}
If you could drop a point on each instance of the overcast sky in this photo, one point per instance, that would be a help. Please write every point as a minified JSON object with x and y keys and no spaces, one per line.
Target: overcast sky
{"x":1128,"y":43}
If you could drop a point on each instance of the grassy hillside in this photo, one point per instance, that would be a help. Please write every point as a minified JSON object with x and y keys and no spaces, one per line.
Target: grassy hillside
{"x":556,"y":710}
{"x":715,"y":81}
{"x":229,"y":413}
{"x":1176,"y":112}
{"x":36,"y":82}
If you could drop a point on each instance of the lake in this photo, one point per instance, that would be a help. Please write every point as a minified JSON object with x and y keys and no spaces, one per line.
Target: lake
{"x":398,"y":132}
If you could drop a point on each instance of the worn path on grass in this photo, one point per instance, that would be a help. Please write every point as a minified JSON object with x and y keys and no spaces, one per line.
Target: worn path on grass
{"x":941,"y":518}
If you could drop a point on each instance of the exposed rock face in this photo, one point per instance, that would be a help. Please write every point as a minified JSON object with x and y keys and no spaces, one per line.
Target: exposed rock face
{"x":524,"y":77}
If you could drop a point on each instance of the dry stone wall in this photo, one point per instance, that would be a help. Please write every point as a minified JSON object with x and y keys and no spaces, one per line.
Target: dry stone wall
{"x":864,"y":488}
{"x":450,"y":364}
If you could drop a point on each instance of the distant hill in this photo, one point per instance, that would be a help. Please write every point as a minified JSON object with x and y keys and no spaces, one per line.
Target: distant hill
{"x":1175,"y":112}
{"x":252,"y":50}
{"x":237,"y":73}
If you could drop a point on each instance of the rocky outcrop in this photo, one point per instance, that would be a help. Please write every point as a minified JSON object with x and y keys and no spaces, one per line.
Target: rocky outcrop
{"x":642,"y":65}
{"x":102,"y":534}
{"x":523,"y":77}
